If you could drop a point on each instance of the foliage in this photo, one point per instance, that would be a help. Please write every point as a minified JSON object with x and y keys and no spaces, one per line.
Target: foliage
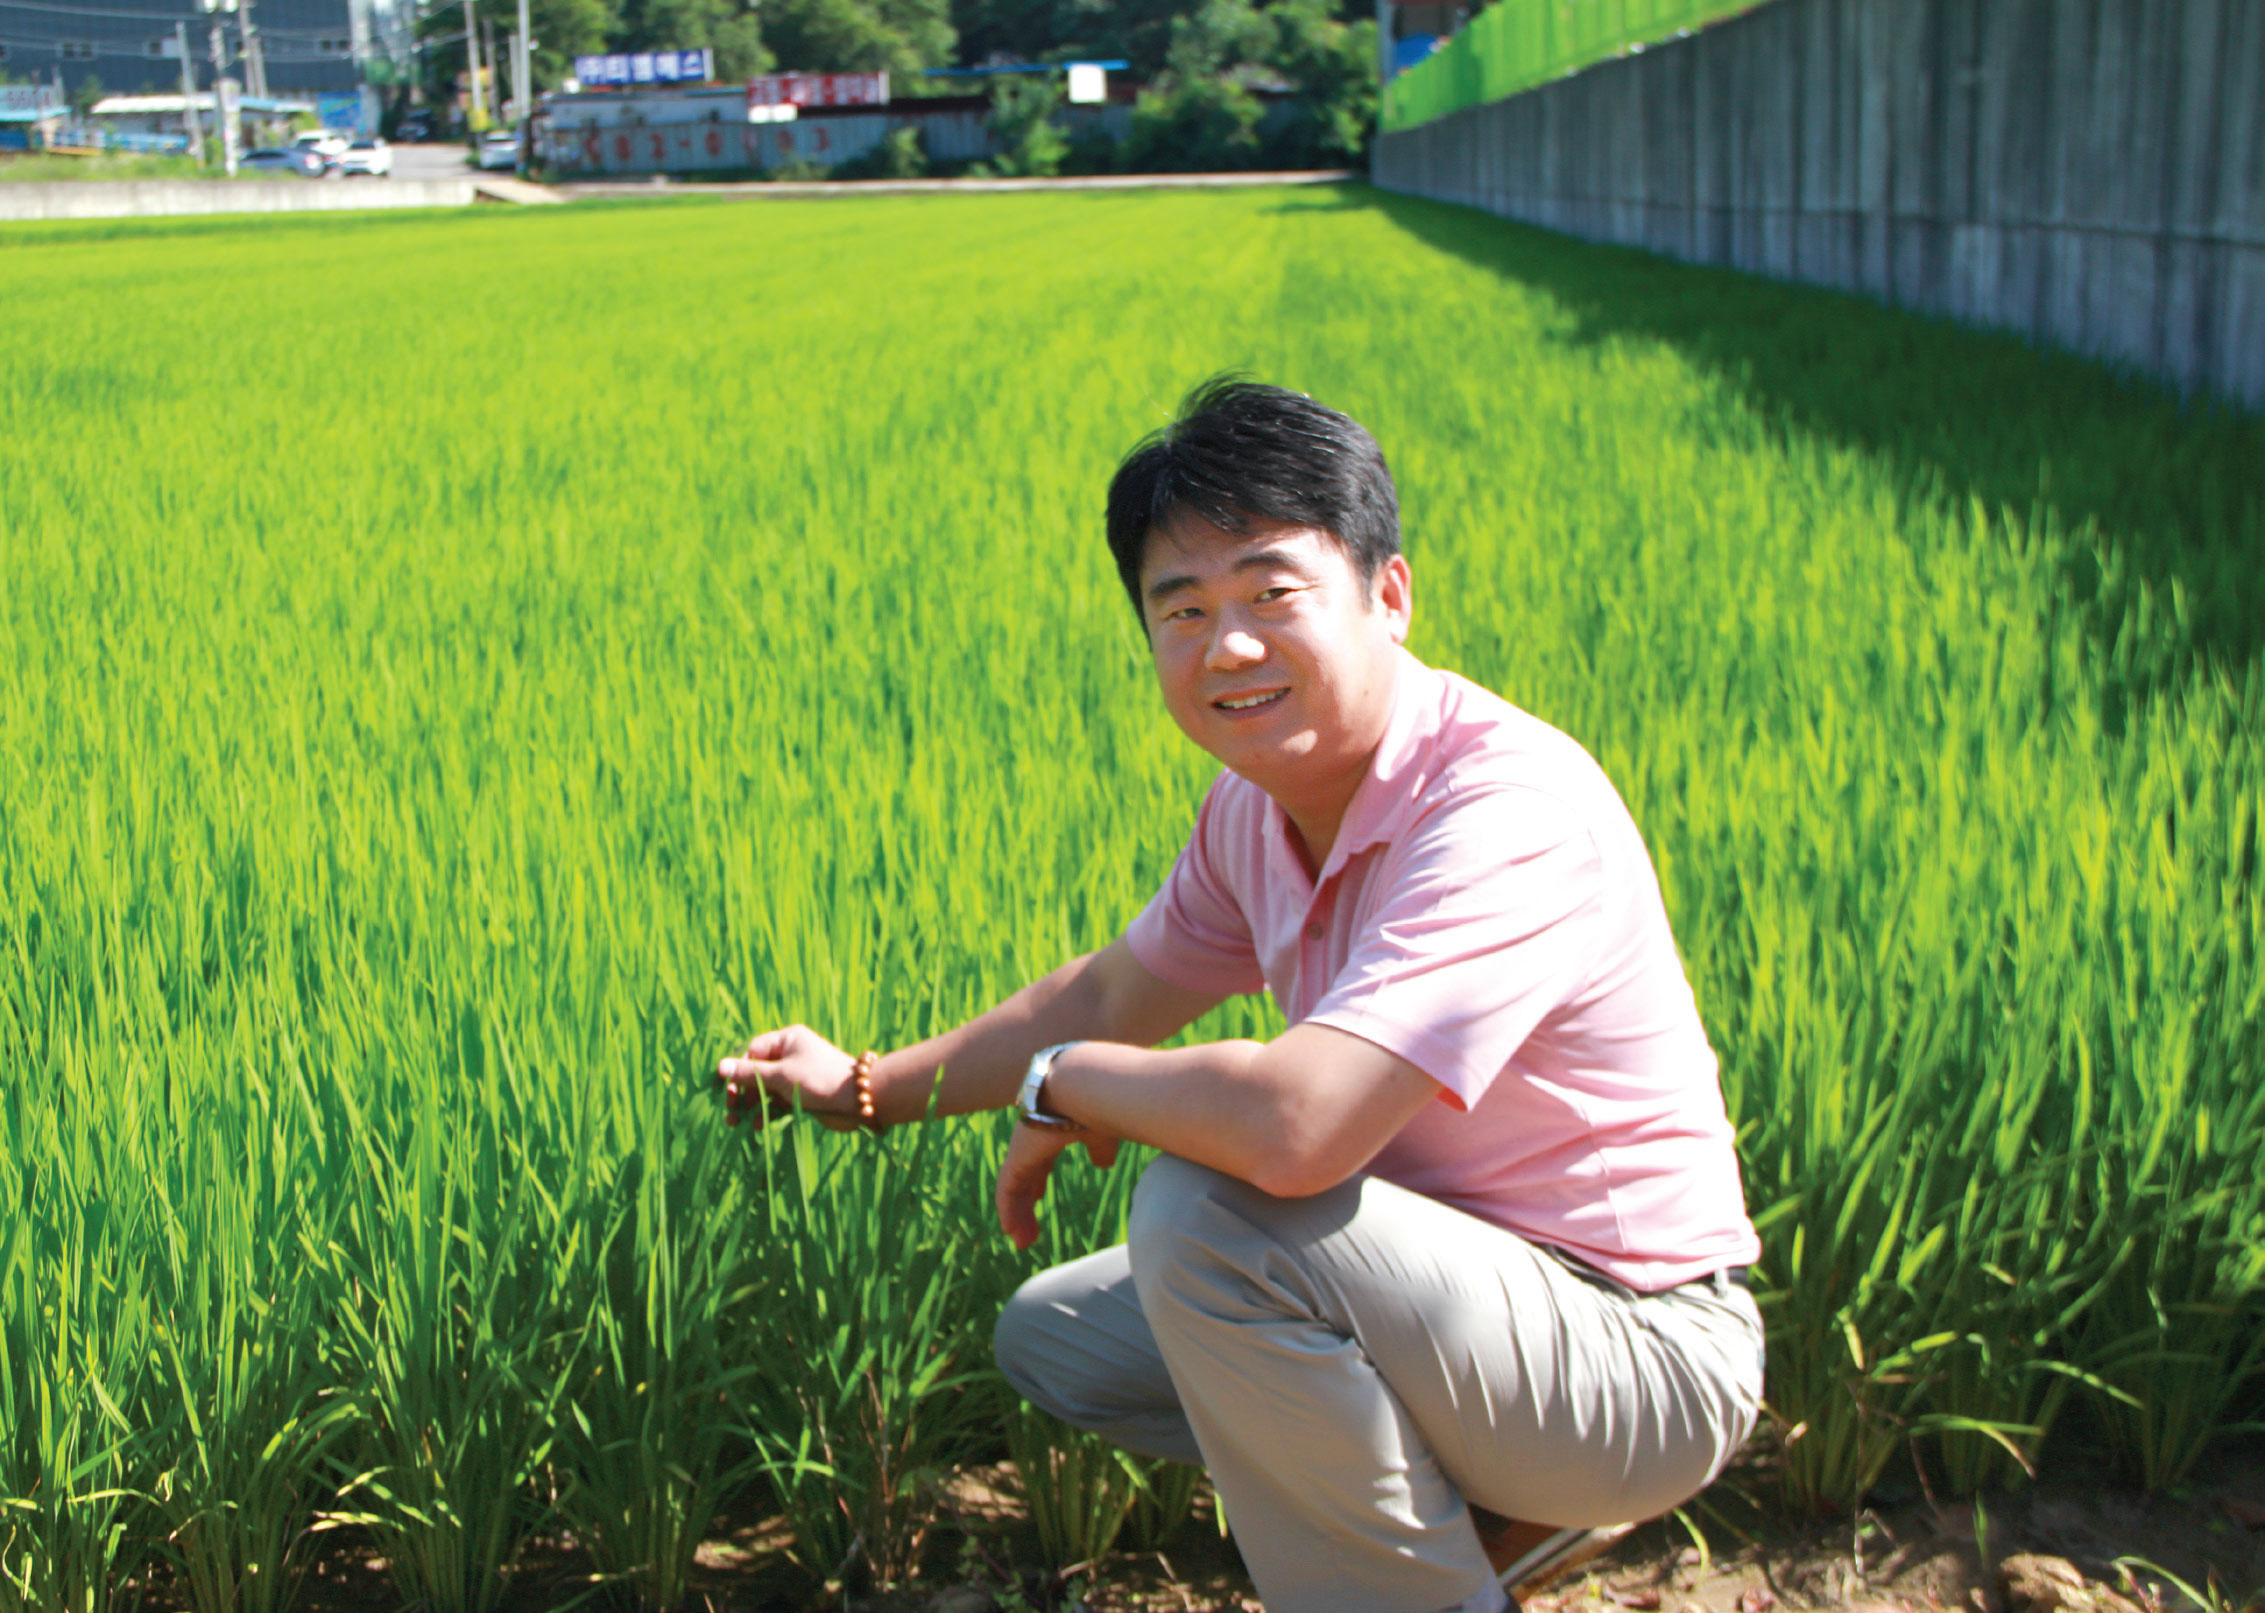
{"x":859,"y":36}
{"x":396,"y":828}
{"x":901,"y":156}
{"x":1204,"y":112}
{"x":731,"y":28}
{"x":1023,"y":110}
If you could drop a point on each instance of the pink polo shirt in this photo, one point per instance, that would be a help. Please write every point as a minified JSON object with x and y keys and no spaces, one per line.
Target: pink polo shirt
{"x":1488,"y":913}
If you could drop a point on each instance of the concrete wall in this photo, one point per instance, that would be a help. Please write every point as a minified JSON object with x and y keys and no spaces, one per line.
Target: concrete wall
{"x":2090,"y":172}
{"x":151,"y":198}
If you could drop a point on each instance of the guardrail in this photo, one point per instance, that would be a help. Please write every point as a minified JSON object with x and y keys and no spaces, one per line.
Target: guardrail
{"x":1514,"y":45}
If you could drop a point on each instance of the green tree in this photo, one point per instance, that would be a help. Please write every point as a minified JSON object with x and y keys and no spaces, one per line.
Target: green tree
{"x":730,"y":28}
{"x":1204,"y":110}
{"x":1136,"y":31}
{"x":564,"y":29}
{"x":859,"y":36}
{"x":85,"y":93}
{"x":1022,"y":125}
{"x":1331,"y":63}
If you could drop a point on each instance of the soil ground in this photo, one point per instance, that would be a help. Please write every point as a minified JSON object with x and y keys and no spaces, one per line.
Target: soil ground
{"x":2202,"y":1546}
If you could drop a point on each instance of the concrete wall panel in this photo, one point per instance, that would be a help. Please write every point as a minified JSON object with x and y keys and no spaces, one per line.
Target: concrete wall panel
{"x":2089,"y":172}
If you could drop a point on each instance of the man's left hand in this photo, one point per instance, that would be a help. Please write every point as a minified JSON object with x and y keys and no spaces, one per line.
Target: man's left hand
{"x":1031,"y":1153}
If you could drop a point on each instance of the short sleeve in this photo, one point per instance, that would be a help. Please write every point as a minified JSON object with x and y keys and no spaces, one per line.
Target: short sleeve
{"x":1193,"y":933}
{"x":1492,"y":915}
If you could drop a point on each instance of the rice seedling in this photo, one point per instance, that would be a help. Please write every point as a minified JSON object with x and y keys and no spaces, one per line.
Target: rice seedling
{"x":1080,"y":1490}
{"x":652,"y":1451}
{"x":423,"y":752}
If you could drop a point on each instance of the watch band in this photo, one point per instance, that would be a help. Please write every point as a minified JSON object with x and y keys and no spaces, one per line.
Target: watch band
{"x":1034,"y":1085}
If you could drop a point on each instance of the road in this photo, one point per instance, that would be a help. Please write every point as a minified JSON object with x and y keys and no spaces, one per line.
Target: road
{"x":431,"y":162}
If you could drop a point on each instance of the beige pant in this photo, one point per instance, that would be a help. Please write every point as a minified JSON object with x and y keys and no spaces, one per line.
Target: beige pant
{"x":1356,"y":1366}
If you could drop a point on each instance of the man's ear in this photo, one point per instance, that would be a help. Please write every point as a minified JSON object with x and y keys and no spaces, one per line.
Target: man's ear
{"x":1394,"y":594}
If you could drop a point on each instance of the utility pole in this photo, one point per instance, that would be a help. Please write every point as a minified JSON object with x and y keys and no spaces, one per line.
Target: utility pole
{"x":224,"y":89}
{"x":472,"y":57}
{"x":189,"y":91}
{"x":255,"y":59}
{"x":1384,"y":52}
{"x":523,"y":80}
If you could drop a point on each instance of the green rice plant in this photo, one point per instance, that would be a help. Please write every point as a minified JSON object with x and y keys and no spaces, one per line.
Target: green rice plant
{"x":241,"y":1419}
{"x":651,"y":1450}
{"x":2169,"y":1373}
{"x":78,"y":1326}
{"x":872,"y":1306}
{"x":238,"y":1503}
{"x":1164,"y":1502}
{"x":458,"y":1362}
{"x":1080,"y":1489}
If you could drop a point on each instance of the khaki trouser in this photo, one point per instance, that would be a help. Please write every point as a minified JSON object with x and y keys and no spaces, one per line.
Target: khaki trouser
{"x":1355,"y":1367}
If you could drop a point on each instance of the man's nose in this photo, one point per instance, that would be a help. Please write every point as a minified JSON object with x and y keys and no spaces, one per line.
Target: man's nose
{"x":1232,"y":648}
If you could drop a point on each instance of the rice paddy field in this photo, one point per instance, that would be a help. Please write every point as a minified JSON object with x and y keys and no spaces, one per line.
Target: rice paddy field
{"x":460,"y":675}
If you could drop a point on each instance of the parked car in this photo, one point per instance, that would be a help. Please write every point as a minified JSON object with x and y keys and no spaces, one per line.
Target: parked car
{"x":276,"y":160}
{"x":370,"y":157}
{"x":329,"y":144}
{"x":413,"y":129}
{"x":498,"y":148}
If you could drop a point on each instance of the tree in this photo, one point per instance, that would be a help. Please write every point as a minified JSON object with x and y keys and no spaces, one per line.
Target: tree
{"x":859,"y":36}
{"x":1135,"y":31}
{"x":1204,"y":111}
{"x":1022,"y":124}
{"x":564,"y":29}
{"x":1332,"y":64}
{"x":730,"y":28}
{"x":84,"y":94}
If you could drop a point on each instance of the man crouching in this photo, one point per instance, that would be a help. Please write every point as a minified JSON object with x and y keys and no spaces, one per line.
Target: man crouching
{"x":1446,"y":1280}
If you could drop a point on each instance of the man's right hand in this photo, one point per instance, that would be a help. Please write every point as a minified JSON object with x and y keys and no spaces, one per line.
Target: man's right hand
{"x":783,"y":1067}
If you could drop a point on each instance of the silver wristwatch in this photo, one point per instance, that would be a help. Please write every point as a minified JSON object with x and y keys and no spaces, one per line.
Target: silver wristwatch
{"x":1034,"y":1084}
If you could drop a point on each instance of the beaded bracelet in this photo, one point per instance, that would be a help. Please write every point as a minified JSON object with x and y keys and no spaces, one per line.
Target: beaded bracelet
{"x":861,"y":1074}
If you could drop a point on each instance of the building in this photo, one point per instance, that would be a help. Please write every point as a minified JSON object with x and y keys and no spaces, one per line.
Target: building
{"x":751,"y":128}
{"x":31,"y":116}
{"x":324,"y":51}
{"x":157,"y":123}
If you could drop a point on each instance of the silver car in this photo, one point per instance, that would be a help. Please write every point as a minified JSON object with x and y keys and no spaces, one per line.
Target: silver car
{"x":277,"y":160}
{"x":499,"y":148}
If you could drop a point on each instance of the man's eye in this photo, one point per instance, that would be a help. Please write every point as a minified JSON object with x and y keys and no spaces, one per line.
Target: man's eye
{"x":1276,"y":592}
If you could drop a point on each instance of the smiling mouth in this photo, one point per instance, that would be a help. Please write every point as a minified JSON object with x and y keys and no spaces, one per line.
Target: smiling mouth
{"x":1250,"y":702}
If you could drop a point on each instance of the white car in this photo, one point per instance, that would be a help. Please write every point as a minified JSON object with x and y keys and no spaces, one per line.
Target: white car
{"x":372,"y":157}
{"x":498,"y":148}
{"x":328,"y":144}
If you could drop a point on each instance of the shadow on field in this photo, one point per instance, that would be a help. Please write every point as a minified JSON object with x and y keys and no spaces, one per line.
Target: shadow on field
{"x":2172,"y":489}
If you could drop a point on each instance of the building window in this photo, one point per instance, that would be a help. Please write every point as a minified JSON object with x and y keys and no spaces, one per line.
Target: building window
{"x":157,"y":47}
{"x":336,"y":47}
{"x":75,"y":50}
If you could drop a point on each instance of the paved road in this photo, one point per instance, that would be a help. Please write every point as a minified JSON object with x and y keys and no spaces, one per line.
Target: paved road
{"x":430,"y":162}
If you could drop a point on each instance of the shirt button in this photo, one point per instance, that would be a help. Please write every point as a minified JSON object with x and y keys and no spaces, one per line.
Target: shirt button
{"x":1313,"y":932}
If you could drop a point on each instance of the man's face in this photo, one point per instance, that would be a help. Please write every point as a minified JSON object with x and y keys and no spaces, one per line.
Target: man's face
{"x":1270,"y":652}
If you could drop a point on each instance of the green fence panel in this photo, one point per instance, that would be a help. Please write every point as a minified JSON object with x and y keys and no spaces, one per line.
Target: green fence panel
{"x":1515,"y":44}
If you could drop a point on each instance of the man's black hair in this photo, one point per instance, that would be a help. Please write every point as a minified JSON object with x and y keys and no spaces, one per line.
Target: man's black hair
{"x":1239,"y":452}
